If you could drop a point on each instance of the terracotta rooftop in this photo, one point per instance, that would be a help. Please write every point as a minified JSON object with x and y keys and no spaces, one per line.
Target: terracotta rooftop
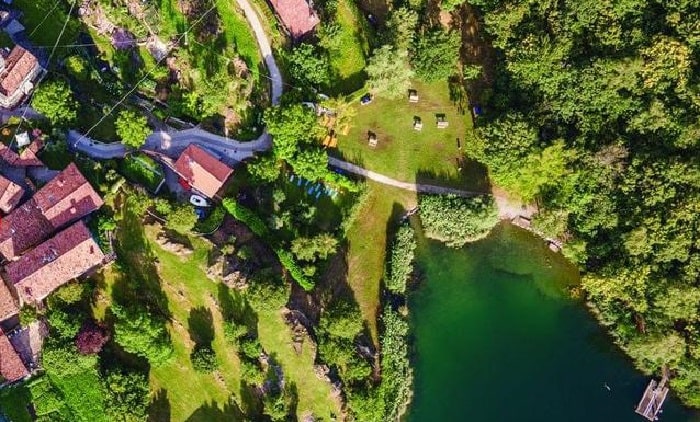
{"x":26,"y":158}
{"x":8,"y":304}
{"x":296,"y":15}
{"x":69,"y":254}
{"x":19,"y":63}
{"x":11,"y":366}
{"x":202,"y":170}
{"x":10,"y":194}
{"x":66,"y":198}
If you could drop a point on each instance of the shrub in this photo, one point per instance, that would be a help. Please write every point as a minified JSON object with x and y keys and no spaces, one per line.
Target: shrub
{"x":455,"y":220}
{"x":203,"y":358}
{"x":126,"y":396}
{"x":401,"y":259}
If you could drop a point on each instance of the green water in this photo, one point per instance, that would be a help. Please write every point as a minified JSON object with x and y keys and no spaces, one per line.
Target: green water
{"x":498,"y":339}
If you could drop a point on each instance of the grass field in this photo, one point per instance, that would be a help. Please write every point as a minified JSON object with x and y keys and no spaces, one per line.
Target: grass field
{"x":239,"y":34}
{"x":427,"y":156}
{"x":180,"y":393}
{"x":349,"y":59}
{"x":367,"y":239}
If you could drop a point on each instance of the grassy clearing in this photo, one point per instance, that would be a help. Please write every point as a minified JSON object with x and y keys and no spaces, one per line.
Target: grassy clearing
{"x":367,"y":246}
{"x":427,"y":156}
{"x":314,"y":394}
{"x":349,"y":59}
{"x":142,"y":169}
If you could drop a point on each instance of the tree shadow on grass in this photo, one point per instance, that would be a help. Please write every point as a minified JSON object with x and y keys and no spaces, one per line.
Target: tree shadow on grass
{"x":210,"y":412}
{"x":201,"y":326}
{"x":159,"y":408}
{"x":235,"y":308}
{"x":470,"y":176}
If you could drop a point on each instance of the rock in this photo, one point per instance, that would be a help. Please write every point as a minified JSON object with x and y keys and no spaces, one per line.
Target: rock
{"x":321,"y":372}
{"x":171,"y":246}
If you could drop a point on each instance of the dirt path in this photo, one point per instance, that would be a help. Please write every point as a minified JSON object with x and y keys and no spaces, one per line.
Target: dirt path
{"x":508,"y":208}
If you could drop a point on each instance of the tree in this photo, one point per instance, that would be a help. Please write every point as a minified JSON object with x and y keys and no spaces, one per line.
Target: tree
{"x":343,"y":319}
{"x":126,"y":396}
{"x":91,"y":338}
{"x":55,"y":101}
{"x":77,"y":67}
{"x":389,"y":73}
{"x":141,"y":333}
{"x":182,"y":218}
{"x":401,"y":27}
{"x":311,"y":164}
{"x":309,"y":66}
{"x":132,"y":129}
{"x":264,"y":169}
{"x":311,"y":249}
{"x":435,"y":55}
{"x":455,"y":220}
{"x":290,"y":126}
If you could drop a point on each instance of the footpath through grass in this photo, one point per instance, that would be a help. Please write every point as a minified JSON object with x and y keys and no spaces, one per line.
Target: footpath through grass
{"x":430,"y":155}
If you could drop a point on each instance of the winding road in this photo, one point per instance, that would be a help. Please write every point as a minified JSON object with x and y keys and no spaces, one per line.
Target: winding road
{"x":172,"y":142}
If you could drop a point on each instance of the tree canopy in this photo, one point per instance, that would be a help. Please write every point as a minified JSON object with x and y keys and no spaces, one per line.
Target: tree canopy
{"x":389,"y":72}
{"x":54,"y":99}
{"x":132,"y":129}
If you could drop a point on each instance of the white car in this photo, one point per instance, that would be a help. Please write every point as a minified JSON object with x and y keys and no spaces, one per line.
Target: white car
{"x":199,"y":201}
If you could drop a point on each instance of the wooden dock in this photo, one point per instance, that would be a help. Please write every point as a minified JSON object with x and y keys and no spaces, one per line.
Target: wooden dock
{"x":652,"y":400}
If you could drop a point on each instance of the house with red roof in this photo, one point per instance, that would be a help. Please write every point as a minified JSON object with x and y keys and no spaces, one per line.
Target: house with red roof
{"x":66,"y":256}
{"x":12,"y":368}
{"x":202,"y":171}
{"x":10,"y":194}
{"x":67,"y":198}
{"x":8,"y":303}
{"x":296,"y":15}
{"x":19,"y":69}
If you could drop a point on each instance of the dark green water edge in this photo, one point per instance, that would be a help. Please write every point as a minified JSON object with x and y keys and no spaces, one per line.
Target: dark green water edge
{"x":498,"y":338}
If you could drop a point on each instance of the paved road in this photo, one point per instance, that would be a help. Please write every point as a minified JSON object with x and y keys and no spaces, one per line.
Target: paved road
{"x":171,"y":142}
{"x":265,"y":49}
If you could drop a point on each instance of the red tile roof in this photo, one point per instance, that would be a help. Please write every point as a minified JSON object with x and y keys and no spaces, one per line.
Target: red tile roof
{"x":10,"y":194}
{"x":18,"y":65}
{"x":11,"y":366}
{"x":68,"y":197}
{"x":8,"y":304}
{"x":202,"y":170}
{"x":26,"y":158}
{"x":69,"y":254}
{"x":296,"y":15}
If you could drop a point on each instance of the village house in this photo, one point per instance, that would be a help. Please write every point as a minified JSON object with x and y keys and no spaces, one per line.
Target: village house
{"x":25,"y":158}
{"x":12,"y":368}
{"x":297,"y":16}
{"x":19,"y":70}
{"x":8,"y":303}
{"x":68,"y":255}
{"x":201,"y":171}
{"x":68,"y":197}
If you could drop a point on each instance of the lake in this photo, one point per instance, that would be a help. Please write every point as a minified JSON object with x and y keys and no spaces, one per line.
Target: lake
{"x":498,"y":338}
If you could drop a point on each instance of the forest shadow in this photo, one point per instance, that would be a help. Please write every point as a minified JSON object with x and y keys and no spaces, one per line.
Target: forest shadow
{"x":235,"y":308}
{"x":159,"y":407}
{"x":201,"y":326}
{"x":211,"y":412}
{"x":471,"y":176}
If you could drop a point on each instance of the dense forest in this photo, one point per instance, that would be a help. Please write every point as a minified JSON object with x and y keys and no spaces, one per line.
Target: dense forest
{"x":594,"y":111}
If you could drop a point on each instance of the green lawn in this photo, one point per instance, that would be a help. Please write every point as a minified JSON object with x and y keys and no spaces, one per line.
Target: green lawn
{"x":427,"y":156}
{"x":367,"y":246}
{"x":349,"y":59}
{"x":35,"y":12}
{"x":239,"y":34}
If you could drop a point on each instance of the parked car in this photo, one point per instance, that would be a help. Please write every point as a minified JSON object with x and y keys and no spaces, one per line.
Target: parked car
{"x":198,"y":201}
